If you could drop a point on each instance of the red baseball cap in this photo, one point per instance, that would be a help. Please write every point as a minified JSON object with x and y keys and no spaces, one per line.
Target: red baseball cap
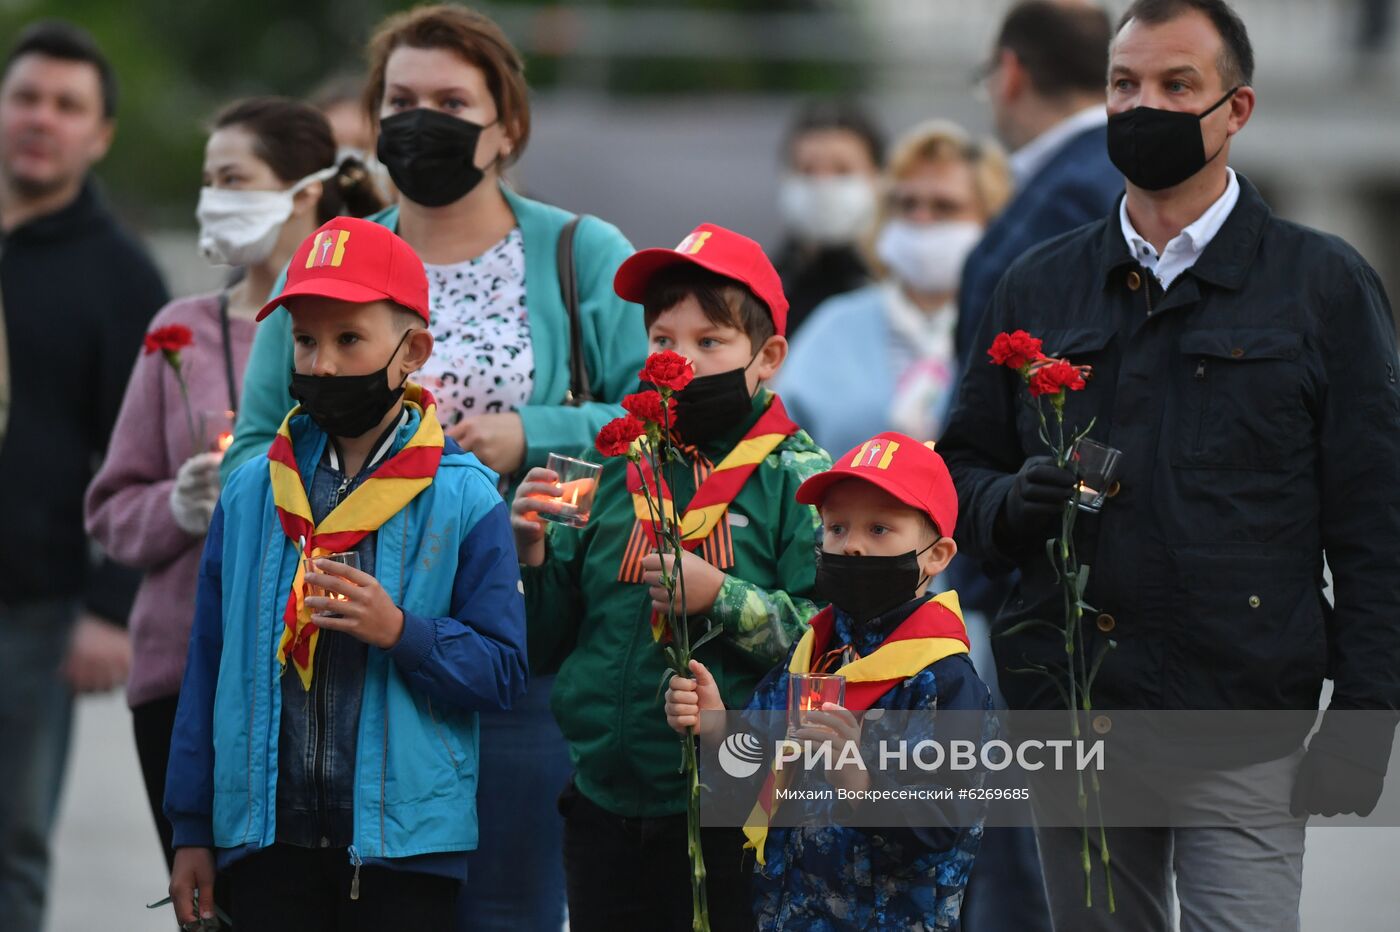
{"x":359,"y":261}
{"x":907,"y":469}
{"x":712,"y":247}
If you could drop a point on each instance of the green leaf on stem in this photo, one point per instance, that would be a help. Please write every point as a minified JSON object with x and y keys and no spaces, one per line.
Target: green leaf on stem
{"x":713,"y":632}
{"x":1027,"y":625}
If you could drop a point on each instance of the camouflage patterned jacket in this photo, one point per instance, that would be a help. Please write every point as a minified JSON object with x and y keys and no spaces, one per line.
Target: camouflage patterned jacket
{"x":595,"y":629}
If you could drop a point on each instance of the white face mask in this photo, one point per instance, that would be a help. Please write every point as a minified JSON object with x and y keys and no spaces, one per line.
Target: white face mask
{"x":827,"y":211}
{"x":241,"y":227}
{"x":927,"y":257}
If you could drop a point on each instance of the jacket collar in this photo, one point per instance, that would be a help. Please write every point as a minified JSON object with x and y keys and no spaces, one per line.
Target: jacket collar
{"x":69,"y":218}
{"x":1226,"y":260}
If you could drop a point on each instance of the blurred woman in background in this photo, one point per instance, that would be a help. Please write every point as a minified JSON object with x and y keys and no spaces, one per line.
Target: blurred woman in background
{"x":941,"y":189}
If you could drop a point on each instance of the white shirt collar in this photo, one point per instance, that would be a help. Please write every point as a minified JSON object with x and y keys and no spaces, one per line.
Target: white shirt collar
{"x":1031,"y":157}
{"x":1186,"y":247}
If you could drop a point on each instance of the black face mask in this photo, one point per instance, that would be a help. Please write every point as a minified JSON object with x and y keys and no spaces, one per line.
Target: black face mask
{"x":431,"y":156}
{"x":1157,"y":149}
{"x":867,"y":587}
{"x":348,"y":405}
{"x":712,"y":405}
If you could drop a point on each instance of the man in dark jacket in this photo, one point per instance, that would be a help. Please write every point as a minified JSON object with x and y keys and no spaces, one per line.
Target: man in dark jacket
{"x":1246,"y":368}
{"x":78,"y":294}
{"x":1044,"y":83}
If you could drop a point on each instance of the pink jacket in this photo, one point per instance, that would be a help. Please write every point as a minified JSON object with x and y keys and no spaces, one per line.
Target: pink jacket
{"x":128,"y":503}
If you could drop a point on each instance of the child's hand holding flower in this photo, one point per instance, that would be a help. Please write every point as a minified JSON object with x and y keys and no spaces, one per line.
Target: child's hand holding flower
{"x":702,"y":582}
{"x":686,"y":698}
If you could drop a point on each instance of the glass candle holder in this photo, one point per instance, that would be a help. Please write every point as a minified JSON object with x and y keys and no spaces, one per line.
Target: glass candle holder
{"x":807,"y":692}
{"x":348,"y":558}
{"x":216,"y":428}
{"x":1096,"y":465}
{"x":573,"y":500}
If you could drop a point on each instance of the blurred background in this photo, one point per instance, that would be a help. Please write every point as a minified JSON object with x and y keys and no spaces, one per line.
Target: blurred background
{"x":658,"y":114}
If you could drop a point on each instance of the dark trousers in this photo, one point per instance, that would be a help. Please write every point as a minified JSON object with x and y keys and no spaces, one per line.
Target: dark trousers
{"x":624,"y":874}
{"x":152,"y":722}
{"x":515,"y":877}
{"x":289,"y":889}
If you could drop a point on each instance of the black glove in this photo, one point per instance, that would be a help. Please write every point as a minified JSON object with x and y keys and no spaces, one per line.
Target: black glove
{"x":1036,"y":498}
{"x":1332,"y":780}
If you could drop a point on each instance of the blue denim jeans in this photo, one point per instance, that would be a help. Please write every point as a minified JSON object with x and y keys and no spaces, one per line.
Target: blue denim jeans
{"x":36,"y":714}
{"x":515,"y":877}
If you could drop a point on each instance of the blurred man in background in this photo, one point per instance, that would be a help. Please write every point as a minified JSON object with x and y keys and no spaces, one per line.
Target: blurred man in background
{"x":78,"y":292}
{"x":1044,"y":81}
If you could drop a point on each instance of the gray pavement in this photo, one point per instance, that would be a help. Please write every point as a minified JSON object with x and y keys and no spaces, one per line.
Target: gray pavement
{"x":108,"y":862}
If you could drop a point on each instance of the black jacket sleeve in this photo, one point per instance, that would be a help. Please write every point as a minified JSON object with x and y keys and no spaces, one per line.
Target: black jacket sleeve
{"x":980,"y":444}
{"x":1359,"y":447}
{"x":110,"y":588}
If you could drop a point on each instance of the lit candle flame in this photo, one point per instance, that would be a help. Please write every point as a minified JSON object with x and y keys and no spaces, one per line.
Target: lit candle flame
{"x":225,"y":441}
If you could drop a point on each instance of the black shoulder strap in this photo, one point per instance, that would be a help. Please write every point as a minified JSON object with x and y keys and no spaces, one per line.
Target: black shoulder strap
{"x":579,"y":389}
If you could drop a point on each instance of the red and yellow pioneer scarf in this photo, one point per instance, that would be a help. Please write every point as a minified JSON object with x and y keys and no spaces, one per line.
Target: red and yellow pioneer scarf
{"x":934,"y":631}
{"x":702,"y":524}
{"x":392,"y":486}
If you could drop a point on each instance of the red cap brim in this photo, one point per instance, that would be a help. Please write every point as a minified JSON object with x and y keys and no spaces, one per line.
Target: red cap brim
{"x":813,"y":491}
{"x":336,"y":288}
{"x":632,"y":276}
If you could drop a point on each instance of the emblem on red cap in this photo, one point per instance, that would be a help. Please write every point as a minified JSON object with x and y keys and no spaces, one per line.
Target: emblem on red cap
{"x":693,"y":243}
{"x":328,"y":249}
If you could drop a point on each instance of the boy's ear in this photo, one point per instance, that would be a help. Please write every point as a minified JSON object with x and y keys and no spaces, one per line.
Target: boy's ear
{"x":770,"y":357}
{"x":418,"y":347}
{"x":936,"y":559}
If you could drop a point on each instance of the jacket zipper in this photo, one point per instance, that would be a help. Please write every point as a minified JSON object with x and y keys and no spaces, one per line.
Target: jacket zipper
{"x":319,"y":775}
{"x":355,"y":878}
{"x":322,"y":698}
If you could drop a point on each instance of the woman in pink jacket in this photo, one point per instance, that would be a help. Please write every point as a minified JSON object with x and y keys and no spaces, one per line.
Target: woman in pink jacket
{"x":270,"y":179}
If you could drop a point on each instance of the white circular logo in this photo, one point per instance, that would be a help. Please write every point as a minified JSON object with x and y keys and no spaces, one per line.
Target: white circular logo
{"x":741,"y":755}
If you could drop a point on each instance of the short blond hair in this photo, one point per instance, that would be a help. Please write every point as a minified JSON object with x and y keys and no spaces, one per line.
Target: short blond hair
{"x":936,"y":142}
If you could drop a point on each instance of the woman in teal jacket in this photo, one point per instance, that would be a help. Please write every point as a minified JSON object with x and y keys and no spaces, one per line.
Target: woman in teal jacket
{"x":448,"y":94}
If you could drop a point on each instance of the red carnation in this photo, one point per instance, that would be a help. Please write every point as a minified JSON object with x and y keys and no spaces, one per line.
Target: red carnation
{"x":648,"y":407}
{"x":169,"y":340}
{"x":667,"y":370}
{"x":1056,"y":377}
{"x":616,"y":437}
{"x":1016,"y":350}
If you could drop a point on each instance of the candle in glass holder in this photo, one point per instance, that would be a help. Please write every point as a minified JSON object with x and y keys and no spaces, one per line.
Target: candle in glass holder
{"x":217,"y":429}
{"x":808,"y":692}
{"x":573,"y":498}
{"x":349,"y":558}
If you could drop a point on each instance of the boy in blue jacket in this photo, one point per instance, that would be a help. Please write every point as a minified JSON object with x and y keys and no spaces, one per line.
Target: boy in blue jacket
{"x":885,"y":508}
{"x":325,"y":749}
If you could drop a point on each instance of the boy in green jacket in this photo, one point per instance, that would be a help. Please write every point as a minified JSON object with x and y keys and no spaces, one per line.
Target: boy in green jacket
{"x":590,"y":594}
